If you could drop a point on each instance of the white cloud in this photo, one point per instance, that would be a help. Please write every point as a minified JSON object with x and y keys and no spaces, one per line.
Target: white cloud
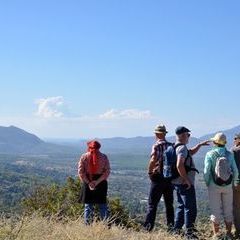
{"x":126,"y":114}
{"x":54,"y":119}
{"x":55,"y":107}
{"x":50,"y":107}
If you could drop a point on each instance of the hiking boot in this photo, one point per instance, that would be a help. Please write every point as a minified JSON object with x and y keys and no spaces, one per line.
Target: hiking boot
{"x":191,"y":236}
{"x":237,"y":236}
{"x":148,"y":227}
{"x":177,"y":232}
{"x":228,"y":237}
{"x":170,"y":229}
{"x":191,"y":233}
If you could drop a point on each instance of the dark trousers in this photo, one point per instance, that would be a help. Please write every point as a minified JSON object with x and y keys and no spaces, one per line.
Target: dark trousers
{"x":158,"y":189}
{"x":186,"y":211}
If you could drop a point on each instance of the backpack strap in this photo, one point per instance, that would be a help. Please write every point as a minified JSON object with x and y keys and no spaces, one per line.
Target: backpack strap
{"x":178,"y":145}
{"x":188,"y":168}
{"x":160,"y":145}
{"x":216,"y":155}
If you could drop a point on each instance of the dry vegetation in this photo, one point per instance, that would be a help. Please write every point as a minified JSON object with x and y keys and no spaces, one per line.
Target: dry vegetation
{"x":38,"y":228}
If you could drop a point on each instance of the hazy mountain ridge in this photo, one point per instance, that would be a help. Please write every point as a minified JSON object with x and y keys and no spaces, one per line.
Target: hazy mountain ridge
{"x":230,"y":133}
{"x":14,"y":140}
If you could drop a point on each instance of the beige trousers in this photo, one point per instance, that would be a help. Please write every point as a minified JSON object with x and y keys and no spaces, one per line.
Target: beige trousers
{"x":221,"y":203}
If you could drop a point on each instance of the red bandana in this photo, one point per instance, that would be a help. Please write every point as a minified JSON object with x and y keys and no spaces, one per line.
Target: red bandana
{"x":93,"y":149}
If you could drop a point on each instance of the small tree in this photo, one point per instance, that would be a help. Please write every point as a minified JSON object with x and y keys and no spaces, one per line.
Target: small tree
{"x":63,"y":202}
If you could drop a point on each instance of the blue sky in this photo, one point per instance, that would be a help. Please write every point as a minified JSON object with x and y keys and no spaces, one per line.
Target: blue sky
{"x":77,"y":69}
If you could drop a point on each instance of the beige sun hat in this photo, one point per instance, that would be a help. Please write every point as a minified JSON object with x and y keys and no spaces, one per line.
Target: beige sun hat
{"x":160,"y":129}
{"x":219,"y":138}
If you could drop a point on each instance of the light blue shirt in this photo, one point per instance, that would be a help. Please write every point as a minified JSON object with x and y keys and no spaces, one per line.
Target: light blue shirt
{"x":210,"y":163}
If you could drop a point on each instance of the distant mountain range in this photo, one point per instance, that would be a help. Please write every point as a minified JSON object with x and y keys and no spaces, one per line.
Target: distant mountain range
{"x":230,"y":133}
{"x":135,"y":145}
{"x":14,"y":140}
{"x":142,"y":144}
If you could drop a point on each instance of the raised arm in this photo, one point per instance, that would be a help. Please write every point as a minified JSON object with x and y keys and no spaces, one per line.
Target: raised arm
{"x":196,"y":148}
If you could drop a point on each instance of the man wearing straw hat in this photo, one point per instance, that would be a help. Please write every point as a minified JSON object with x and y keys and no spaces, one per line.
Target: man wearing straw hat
{"x":159,"y":185}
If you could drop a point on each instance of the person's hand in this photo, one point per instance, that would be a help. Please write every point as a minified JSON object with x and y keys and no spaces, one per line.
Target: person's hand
{"x":187,"y":183}
{"x":92,"y":185}
{"x":205,"y":143}
{"x":155,"y":170}
{"x":237,"y":187}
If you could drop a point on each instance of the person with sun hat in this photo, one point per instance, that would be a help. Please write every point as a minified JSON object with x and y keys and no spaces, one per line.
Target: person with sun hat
{"x":220,"y":173}
{"x":159,"y":185}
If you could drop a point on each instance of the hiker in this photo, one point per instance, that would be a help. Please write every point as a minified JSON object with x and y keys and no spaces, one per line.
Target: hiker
{"x":220,"y":172}
{"x":159,"y":186}
{"x":236,"y":189}
{"x":186,"y":211}
{"x":94,"y":170}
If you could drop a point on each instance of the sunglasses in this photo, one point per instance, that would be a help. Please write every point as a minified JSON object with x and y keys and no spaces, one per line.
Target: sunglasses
{"x":187,"y":134}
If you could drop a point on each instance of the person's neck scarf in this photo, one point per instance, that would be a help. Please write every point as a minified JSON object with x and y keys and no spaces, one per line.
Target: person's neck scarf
{"x":93,"y":149}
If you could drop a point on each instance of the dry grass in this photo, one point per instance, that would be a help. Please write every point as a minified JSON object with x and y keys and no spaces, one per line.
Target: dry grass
{"x":37,"y":228}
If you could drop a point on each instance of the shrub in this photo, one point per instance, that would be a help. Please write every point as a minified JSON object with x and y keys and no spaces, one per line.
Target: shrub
{"x":63,"y":202}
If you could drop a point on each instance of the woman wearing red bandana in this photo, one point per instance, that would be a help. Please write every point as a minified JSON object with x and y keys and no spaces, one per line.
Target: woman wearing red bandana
{"x":94,"y":170}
